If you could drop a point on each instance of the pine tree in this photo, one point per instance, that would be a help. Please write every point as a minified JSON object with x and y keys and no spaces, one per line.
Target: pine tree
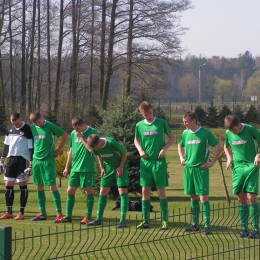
{"x":222,"y":114}
{"x":119,"y":123}
{"x":212,"y":115}
{"x":50,"y":116}
{"x":3,"y":118}
{"x":238,"y":112}
{"x":251,"y":115}
{"x":201,"y":114}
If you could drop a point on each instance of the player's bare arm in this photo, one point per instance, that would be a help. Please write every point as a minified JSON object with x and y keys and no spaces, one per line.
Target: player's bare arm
{"x":101,"y":166}
{"x":68,"y":163}
{"x":181,"y":154}
{"x":217,"y":151}
{"x":64,"y":139}
{"x":228,"y":153}
{"x":120,"y":169}
{"x":167,"y":145}
{"x":83,"y":141}
{"x":137,"y":144}
{"x":257,"y":160}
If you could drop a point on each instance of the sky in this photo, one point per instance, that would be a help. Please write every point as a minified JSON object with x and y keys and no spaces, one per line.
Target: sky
{"x":222,"y":28}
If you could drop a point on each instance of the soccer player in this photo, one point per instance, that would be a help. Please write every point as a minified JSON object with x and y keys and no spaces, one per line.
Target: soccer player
{"x":241,"y":148}
{"x":114,"y":170}
{"x":44,"y":166}
{"x":193,"y":150}
{"x":18,"y":148}
{"x":150,"y":143}
{"x":83,"y":169}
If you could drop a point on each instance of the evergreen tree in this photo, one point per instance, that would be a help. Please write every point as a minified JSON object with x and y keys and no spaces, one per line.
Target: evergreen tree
{"x":238,"y":112}
{"x":222,"y":114}
{"x":51,"y":116}
{"x":212,"y":115}
{"x":3,"y":118}
{"x":119,"y":123}
{"x":251,"y":115}
{"x":200,"y":112}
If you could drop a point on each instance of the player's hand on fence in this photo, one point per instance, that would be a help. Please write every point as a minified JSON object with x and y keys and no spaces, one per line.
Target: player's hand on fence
{"x":28,"y":170}
{"x":257,"y":160}
{"x":2,"y":166}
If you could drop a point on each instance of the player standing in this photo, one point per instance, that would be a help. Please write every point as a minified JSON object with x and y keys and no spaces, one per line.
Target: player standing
{"x":150,"y":143}
{"x":193,"y":150}
{"x":44,"y":166}
{"x":83,"y":169}
{"x":18,"y":148}
{"x":241,"y":148}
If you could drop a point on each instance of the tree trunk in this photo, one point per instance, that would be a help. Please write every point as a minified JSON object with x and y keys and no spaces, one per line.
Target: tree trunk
{"x":110,"y":55}
{"x":49,"y":55}
{"x":23,"y":70}
{"x":102,"y":52}
{"x":38,"y":91}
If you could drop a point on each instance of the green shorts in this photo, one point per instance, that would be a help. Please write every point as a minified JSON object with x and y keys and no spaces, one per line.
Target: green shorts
{"x":153,"y":173}
{"x":44,"y":171}
{"x":110,"y":179}
{"x":82,"y":179}
{"x":196,"y":181}
{"x":245,"y":178}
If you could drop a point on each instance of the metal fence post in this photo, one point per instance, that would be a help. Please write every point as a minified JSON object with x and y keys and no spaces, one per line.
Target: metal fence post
{"x":5,"y":243}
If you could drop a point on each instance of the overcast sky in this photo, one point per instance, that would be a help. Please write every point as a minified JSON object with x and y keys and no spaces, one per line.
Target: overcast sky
{"x":222,"y":28}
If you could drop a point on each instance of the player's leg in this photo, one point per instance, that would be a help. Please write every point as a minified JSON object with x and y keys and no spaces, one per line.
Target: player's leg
{"x":122,"y":184}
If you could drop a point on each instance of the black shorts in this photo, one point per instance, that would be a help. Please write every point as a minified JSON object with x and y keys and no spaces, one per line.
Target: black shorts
{"x":15,"y":166}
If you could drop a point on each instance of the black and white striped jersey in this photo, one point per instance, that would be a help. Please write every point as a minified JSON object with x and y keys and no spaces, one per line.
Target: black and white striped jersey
{"x":19,"y":140}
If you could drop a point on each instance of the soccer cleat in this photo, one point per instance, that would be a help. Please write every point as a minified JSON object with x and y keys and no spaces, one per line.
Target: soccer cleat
{"x":20,"y":216}
{"x":39,"y":216}
{"x":58,"y":218}
{"x":192,"y":228}
{"x":6,"y":216}
{"x":253,"y":234}
{"x":64,"y":220}
{"x":84,"y":221}
{"x":243,"y":233}
{"x":121,"y":224}
{"x":143,"y":224}
{"x":164,"y":225}
{"x":207,"y":231}
{"x":95,"y":222}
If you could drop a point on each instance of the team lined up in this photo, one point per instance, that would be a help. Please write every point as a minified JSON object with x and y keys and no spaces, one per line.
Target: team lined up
{"x":35,"y":144}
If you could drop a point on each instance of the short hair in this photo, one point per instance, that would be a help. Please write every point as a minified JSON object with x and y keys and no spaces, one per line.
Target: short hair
{"x":191,"y":114}
{"x":93,"y":140}
{"x":15,"y":116}
{"x":34,"y":116}
{"x":145,"y":106}
{"x":77,"y":120}
{"x":231,"y":121}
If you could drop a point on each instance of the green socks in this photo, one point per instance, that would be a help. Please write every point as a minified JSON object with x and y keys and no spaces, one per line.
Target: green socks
{"x":195,"y":211}
{"x":90,"y":204}
{"x":57,"y":201}
{"x":254,"y":213}
{"x":102,"y":202}
{"x":41,"y":201}
{"x":69,"y":205}
{"x":124,"y":201}
{"x":206,"y":213}
{"x":146,"y":210}
{"x":164,"y":209}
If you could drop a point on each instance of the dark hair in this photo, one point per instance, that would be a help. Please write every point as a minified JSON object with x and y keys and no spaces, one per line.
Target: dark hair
{"x":93,"y":140}
{"x":192,"y":115}
{"x":145,"y":106}
{"x":77,"y":121}
{"x":231,"y":121}
{"x":15,"y":116}
{"x":34,"y":116}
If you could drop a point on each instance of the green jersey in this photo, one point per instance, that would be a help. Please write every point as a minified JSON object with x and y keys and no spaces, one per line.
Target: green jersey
{"x":197,"y":145}
{"x":152,"y":136}
{"x":111,"y":152}
{"x":245,"y":144}
{"x":82,"y":159}
{"x":44,"y":139}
